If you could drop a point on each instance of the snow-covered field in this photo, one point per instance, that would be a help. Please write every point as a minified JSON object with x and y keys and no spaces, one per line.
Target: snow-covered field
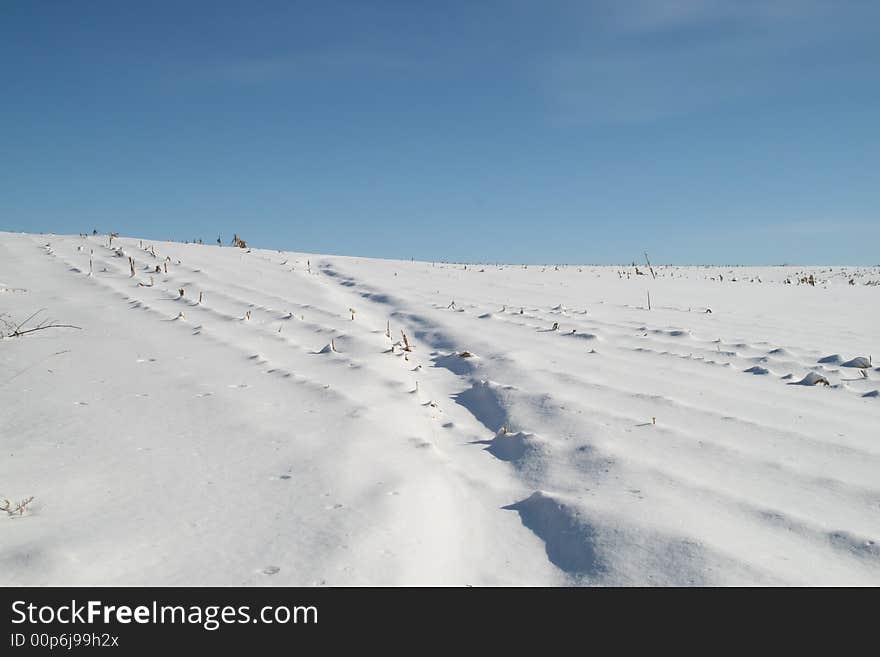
{"x":267,"y":435}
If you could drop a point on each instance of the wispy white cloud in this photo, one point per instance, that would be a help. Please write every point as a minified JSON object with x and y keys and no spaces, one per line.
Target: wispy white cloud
{"x":648,"y":16}
{"x":652,"y":16}
{"x":818,"y":227}
{"x":341,"y":61}
{"x":646,"y":60}
{"x":817,"y":233}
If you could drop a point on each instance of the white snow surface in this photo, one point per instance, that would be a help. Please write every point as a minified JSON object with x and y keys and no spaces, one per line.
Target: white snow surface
{"x":269,"y":436}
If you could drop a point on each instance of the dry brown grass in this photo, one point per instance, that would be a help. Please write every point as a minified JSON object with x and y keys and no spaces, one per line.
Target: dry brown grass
{"x":18,"y":509}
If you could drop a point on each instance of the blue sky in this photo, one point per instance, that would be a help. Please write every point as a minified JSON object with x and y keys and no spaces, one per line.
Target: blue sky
{"x":702,"y":131}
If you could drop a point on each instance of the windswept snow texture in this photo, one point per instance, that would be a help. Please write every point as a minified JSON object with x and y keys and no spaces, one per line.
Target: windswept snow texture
{"x":537,"y":426}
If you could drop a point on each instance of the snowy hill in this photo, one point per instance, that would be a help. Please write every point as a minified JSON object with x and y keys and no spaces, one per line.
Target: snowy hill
{"x":536,"y":426}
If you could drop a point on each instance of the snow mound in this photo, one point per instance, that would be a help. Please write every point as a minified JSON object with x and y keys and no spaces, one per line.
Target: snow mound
{"x":514,"y":446}
{"x":460,"y":363}
{"x":487,"y":401}
{"x":757,"y":369}
{"x":570,"y":541}
{"x":672,"y":333}
{"x":583,"y":336}
{"x":859,"y":361}
{"x":812,"y":379}
{"x":832,"y":359}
